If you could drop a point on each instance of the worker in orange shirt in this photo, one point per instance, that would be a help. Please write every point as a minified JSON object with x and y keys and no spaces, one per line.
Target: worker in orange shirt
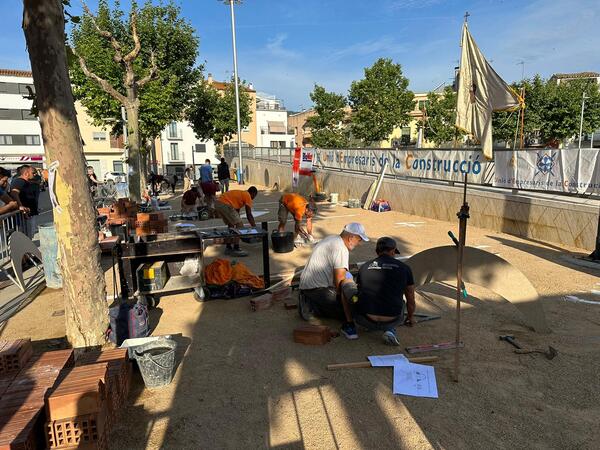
{"x":228,"y":206}
{"x":298,"y":207}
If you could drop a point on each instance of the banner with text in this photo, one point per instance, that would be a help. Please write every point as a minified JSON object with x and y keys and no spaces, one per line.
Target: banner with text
{"x":449,"y":165}
{"x":571,"y":170}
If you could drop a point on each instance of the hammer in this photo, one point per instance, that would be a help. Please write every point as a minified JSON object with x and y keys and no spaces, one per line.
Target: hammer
{"x":510,"y":339}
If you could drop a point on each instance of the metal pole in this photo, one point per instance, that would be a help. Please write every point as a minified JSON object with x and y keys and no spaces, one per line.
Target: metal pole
{"x":193,"y":165}
{"x":581,"y":120}
{"x":237,"y":94}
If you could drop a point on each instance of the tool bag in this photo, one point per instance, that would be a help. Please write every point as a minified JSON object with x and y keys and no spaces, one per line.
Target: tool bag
{"x":128,"y":321}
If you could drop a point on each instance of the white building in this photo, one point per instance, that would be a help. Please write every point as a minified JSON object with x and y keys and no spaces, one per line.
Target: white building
{"x":271,"y":122}
{"x":180,"y":148}
{"x":20,"y":132}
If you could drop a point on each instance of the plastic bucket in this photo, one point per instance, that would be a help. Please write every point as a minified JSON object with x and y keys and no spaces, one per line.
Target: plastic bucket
{"x":49,"y":251}
{"x":156,"y":360}
{"x":334,"y":197}
{"x":282,"y":242}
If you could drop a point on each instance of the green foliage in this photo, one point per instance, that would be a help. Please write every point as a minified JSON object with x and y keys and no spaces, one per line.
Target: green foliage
{"x":327,"y":125}
{"x":213,"y":115}
{"x":380,"y":102}
{"x":552,"y":112}
{"x":440,"y":116}
{"x":161,"y":31}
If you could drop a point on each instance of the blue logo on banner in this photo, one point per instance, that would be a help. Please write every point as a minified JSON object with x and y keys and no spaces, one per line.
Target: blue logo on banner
{"x":545,"y":163}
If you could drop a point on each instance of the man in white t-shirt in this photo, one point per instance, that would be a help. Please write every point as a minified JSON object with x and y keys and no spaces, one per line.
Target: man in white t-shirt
{"x":325,"y":271}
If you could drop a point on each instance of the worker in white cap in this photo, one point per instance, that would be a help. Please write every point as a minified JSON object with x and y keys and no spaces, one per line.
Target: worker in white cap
{"x":326,"y":269}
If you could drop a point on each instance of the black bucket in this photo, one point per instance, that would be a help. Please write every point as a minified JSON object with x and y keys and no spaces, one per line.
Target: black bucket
{"x":282,"y":242}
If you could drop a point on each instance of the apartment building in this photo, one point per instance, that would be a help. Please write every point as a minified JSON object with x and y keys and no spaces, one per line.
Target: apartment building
{"x":21,"y":134}
{"x":272,"y":122}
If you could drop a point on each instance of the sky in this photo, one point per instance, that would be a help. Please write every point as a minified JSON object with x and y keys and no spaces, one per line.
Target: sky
{"x":286,"y":46}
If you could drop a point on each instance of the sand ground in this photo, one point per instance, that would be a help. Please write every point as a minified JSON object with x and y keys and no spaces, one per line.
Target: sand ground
{"x":243,"y":383}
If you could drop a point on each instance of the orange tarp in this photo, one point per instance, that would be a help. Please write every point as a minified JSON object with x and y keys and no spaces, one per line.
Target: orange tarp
{"x":220,"y":272}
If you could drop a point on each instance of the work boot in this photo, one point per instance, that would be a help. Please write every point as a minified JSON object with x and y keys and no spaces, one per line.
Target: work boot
{"x":349,"y":330}
{"x":390,"y":338}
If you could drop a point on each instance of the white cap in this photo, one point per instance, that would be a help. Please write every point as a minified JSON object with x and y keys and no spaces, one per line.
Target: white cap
{"x":358,"y":229}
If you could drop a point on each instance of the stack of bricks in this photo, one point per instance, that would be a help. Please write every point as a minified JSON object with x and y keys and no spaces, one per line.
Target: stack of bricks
{"x":84,"y":406}
{"x":14,"y":354}
{"x":122,"y":212}
{"x":22,"y":395}
{"x":151,"y":223}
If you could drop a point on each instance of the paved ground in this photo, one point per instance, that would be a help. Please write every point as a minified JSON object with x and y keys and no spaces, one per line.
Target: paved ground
{"x":243,"y":383}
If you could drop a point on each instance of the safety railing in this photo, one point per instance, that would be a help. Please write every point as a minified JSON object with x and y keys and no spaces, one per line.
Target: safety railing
{"x":9,"y":223}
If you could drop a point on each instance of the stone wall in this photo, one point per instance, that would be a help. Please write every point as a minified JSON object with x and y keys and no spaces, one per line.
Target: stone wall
{"x":550,"y":218}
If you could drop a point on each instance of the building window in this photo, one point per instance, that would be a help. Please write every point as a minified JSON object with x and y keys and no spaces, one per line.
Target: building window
{"x":26,"y":115}
{"x":19,"y":139}
{"x":99,"y":135}
{"x":10,"y":114}
{"x":422,"y":104}
{"x":173,"y":132}
{"x":281,"y":144}
{"x":23,"y":89}
{"x":200,"y":148}
{"x":9,"y":88}
{"x":117,"y":166}
{"x":174,"y":151}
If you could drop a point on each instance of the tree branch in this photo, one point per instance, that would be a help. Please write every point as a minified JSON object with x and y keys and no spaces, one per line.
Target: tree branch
{"x":153,"y":71}
{"x":105,"y":34}
{"x":136,"y":39}
{"x":105,"y":85}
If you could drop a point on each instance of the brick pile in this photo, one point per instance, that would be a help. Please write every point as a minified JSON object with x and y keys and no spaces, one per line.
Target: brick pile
{"x":122,"y":212}
{"x":83,"y":407}
{"x":151,"y":223}
{"x":22,"y":399}
{"x":14,"y":354}
{"x":53,"y":402}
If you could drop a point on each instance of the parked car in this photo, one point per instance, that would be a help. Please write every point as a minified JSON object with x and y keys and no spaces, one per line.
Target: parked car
{"x":116,"y":177}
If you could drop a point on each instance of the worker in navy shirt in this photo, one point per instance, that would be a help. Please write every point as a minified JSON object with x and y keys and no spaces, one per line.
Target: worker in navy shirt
{"x":377,"y":296}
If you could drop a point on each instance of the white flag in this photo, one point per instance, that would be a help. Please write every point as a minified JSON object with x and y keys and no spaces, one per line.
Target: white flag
{"x":480,"y":92}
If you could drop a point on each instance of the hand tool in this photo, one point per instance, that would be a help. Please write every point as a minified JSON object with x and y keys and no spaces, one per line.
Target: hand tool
{"x":462,"y":285}
{"x":510,"y":339}
{"x":549,"y":354}
{"x":432,"y":347}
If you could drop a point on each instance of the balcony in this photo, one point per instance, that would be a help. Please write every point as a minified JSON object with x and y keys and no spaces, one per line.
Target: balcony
{"x":174,"y":135}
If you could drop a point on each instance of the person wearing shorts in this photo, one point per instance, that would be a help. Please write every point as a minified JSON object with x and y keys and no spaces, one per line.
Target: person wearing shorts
{"x":298,"y":207}
{"x":228,"y":206}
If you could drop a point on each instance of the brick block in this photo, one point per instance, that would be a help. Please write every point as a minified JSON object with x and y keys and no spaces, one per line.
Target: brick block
{"x":312,"y":334}
{"x":83,"y":431}
{"x":147,"y":217}
{"x":14,"y":355}
{"x":281,"y":294}
{"x":108,"y":243}
{"x":261,"y":302}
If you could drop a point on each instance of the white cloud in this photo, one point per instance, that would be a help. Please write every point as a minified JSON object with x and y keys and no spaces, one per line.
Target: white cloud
{"x":384,"y":46}
{"x":276,"y":49}
{"x":396,"y":5}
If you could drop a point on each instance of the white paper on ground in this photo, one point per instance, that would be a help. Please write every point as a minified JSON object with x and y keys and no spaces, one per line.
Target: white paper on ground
{"x":248,"y":231}
{"x":415,"y":379}
{"x":388,"y":360}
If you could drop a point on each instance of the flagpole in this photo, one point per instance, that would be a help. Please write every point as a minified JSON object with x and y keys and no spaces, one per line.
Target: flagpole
{"x":463,"y":216}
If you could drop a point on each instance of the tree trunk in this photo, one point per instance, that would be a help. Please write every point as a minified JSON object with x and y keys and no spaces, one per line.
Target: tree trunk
{"x":84,"y":286}
{"x":133,"y":136}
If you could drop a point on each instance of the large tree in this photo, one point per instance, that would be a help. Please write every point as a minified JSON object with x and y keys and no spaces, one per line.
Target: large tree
{"x":144,"y":62}
{"x":380,"y":102}
{"x":328,"y":124}
{"x":84,"y":287}
{"x":212,"y":114}
{"x":552,"y":111}
{"x":439,"y":116}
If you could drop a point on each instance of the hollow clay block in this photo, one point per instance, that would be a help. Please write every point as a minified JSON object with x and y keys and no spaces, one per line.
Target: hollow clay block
{"x":262,"y":302}
{"x":312,"y":334}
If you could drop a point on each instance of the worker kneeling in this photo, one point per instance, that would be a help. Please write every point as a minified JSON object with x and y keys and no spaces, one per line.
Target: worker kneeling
{"x":298,"y":207}
{"x":375,"y":300}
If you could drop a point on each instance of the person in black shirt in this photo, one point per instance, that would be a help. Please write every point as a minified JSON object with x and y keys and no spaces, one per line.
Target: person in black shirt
{"x":223,"y":175}
{"x":376,"y":298}
{"x":24,"y":192}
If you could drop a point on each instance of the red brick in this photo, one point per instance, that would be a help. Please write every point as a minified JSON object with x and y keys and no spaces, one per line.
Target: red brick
{"x":312,"y":334}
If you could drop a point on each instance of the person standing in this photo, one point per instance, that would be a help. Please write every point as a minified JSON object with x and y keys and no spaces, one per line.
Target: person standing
{"x":223,"y":174}
{"x":9,"y":203}
{"x":174,"y":180}
{"x":209,"y":188}
{"x":93,"y":181}
{"x":24,"y":193}
{"x":187,"y":179}
{"x":228,"y":206}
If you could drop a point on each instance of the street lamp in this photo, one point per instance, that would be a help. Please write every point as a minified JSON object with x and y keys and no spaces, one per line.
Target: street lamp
{"x":583,"y":99}
{"x":237,"y":93}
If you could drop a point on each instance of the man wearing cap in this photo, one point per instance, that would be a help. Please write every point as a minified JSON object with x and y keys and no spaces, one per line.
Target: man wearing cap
{"x":298,"y":207}
{"x":324,"y":272}
{"x":378,"y":294}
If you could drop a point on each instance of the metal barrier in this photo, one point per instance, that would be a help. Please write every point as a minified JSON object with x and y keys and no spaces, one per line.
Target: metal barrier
{"x":9,"y":222}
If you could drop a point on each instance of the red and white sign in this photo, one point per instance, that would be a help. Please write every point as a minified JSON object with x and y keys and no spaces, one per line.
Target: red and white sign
{"x":296,"y":167}
{"x":23,"y":158}
{"x":307,"y":156}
